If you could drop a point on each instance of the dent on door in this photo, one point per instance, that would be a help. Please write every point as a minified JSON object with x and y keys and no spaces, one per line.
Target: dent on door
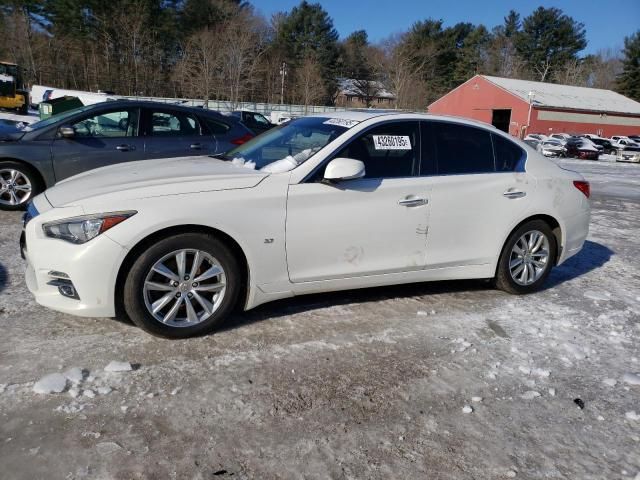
{"x":356,"y":229}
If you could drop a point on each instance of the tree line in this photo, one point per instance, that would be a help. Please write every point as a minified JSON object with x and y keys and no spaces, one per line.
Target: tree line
{"x":225,"y":50}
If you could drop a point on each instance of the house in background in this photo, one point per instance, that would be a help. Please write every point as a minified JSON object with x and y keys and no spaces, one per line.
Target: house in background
{"x":353,"y":93}
{"x":522,"y":106}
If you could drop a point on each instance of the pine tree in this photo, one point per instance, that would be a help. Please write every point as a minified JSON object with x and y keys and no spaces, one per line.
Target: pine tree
{"x":628,"y":83}
{"x":548,"y":40}
{"x":307,"y":31}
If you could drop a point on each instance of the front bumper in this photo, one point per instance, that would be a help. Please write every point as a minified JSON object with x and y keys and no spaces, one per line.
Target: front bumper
{"x":92,"y":267}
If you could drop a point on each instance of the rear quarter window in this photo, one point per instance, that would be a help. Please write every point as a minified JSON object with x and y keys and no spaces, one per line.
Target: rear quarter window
{"x":509,"y":156}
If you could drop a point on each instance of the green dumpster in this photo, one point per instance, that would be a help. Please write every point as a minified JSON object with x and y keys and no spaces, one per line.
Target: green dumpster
{"x":58,"y":105}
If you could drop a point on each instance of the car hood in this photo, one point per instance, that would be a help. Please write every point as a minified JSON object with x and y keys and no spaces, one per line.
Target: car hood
{"x":153,"y":178}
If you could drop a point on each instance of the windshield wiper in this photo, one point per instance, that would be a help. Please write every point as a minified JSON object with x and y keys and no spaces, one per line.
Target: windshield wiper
{"x":220,"y":156}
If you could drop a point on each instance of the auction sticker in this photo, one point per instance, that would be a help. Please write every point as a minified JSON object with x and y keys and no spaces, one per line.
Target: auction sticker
{"x":392,"y":142}
{"x":343,"y":122}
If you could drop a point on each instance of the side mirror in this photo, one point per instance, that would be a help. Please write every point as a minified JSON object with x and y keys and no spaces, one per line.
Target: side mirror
{"x":67,"y":132}
{"x":344,"y":169}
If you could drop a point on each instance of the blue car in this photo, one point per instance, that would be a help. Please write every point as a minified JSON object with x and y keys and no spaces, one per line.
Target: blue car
{"x":39,"y":155}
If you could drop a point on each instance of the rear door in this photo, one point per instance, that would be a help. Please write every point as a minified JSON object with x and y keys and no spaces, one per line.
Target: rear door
{"x":174,"y":133}
{"x":477,"y":195}
{"x":101,"y":139}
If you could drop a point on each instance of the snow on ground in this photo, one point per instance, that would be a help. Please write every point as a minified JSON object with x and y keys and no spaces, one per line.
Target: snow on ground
{"x":14,"y":117}
{"x":363,"y":384}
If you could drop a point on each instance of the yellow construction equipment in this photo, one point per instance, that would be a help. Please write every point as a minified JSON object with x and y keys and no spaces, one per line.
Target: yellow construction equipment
{"x":12,"y":96}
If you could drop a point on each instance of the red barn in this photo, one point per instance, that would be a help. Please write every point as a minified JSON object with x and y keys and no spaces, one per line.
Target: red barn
{"x":522,"y":106}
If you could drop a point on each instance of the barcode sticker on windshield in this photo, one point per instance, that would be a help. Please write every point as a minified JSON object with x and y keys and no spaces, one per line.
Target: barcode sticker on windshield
{"x":392,"y":142}
{"x":343,"y":122}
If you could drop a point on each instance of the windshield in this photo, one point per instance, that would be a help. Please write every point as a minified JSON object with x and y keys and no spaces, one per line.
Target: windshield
{"x":56,"y":118}
{"x":287,"y":146}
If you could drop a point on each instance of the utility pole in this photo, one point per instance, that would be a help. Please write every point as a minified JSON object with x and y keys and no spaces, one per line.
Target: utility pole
{"x":531,"y":96}
{"x":283,"y":73}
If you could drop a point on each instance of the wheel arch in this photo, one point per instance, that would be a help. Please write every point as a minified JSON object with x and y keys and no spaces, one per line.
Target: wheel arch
{"x":29,"y":166}
{"x":550,"y":220}
{"x":142,"y":244}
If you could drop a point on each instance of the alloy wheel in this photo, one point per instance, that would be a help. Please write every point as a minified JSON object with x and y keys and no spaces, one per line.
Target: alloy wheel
{"x":15,"y":187}
{"x":184,"y":288}
{"x":529,"y":258}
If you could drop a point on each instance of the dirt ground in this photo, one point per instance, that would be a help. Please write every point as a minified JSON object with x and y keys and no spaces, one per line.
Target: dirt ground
{"x":359,"y":384}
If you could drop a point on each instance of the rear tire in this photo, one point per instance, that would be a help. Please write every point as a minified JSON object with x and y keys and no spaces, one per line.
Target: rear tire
{"x":527,"y":258}
{"x":193,"y":298}
{"x":19,"y":183}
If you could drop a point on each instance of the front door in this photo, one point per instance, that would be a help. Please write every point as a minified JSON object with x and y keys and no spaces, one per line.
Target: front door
{"x":374,"y":225}
{"x":99,"y":140}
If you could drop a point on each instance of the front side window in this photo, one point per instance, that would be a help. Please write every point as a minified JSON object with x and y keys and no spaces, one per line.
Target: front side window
{"x":174,"y":124}
{"x":462,"y":149}
{"x":387,"y":151}
{"x":120,"y":123}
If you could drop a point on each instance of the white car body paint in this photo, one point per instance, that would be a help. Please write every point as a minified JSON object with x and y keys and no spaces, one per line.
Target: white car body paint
{"x":302,"y":237}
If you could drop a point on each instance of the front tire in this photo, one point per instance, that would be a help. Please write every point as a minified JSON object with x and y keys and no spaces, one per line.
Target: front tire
{"x":527,"y":258}
{"x":182,"y":286}
{"x":18,"y":184}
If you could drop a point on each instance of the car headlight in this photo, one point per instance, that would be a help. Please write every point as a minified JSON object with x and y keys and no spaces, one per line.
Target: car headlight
{"x":80,"y":230}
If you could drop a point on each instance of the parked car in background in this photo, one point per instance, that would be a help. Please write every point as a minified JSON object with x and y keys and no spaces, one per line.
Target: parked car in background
{"x":338,"y":201}
{"x":617,"y":138}
{"x":43,"y":153}
{"x":607,"y":146}
{"x":256,"y":122}
{"x":582,"y":148}
{"x":536,"y":136}
{"x":552,"y":148}
{"x":562,"y":137}
{"x":627,"y":150}
{"x":635,"y":138}
{"x":278,"y":118}
{"x":532,"y":142}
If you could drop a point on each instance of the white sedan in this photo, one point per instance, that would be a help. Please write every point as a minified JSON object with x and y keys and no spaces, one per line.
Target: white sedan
{"x":331,"y":202}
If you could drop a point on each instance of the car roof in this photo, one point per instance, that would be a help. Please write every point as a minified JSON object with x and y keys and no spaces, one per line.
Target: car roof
{"x":150,"y":104}
{"x":159,"y":105}
{"x":367,"y":114}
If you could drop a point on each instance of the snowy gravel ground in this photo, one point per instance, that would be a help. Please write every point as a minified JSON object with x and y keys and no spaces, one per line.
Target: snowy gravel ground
{"x":447,"y":380}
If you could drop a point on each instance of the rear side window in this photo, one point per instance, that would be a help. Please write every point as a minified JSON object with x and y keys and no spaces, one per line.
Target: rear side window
{"x":216,"y":127}
{"x":387,"y":151}
{"x":509,"y":156}
{"x":461,"y":149}
{"x":173,"y":124}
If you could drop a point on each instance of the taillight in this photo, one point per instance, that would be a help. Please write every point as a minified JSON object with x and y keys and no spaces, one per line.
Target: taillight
{"x":583,"y":186}
{"x":243,"y":139}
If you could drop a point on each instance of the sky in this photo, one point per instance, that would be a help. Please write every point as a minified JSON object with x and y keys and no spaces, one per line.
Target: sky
{"x":606,"y":22}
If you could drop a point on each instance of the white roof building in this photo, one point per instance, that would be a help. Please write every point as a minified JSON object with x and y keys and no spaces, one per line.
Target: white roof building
{"x":553,"y":95}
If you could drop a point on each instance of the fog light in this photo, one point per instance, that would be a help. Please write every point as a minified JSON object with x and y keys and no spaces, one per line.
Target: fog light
{"x":65,"y":286}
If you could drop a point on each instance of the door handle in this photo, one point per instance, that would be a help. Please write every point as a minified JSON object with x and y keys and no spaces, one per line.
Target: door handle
{"x":125,"y":148}
{"x":412,"y":201}
{"x":511,"y":193}
{"x":196,"y":146}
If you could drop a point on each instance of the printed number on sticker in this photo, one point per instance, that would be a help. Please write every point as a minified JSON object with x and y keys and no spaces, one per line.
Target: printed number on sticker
{"x":392,"y":142}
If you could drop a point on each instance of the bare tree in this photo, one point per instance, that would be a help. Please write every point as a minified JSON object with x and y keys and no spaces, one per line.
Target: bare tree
{"x":308,"y":87}
{"x":403,"y":74}
{"x":196,"y":72}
